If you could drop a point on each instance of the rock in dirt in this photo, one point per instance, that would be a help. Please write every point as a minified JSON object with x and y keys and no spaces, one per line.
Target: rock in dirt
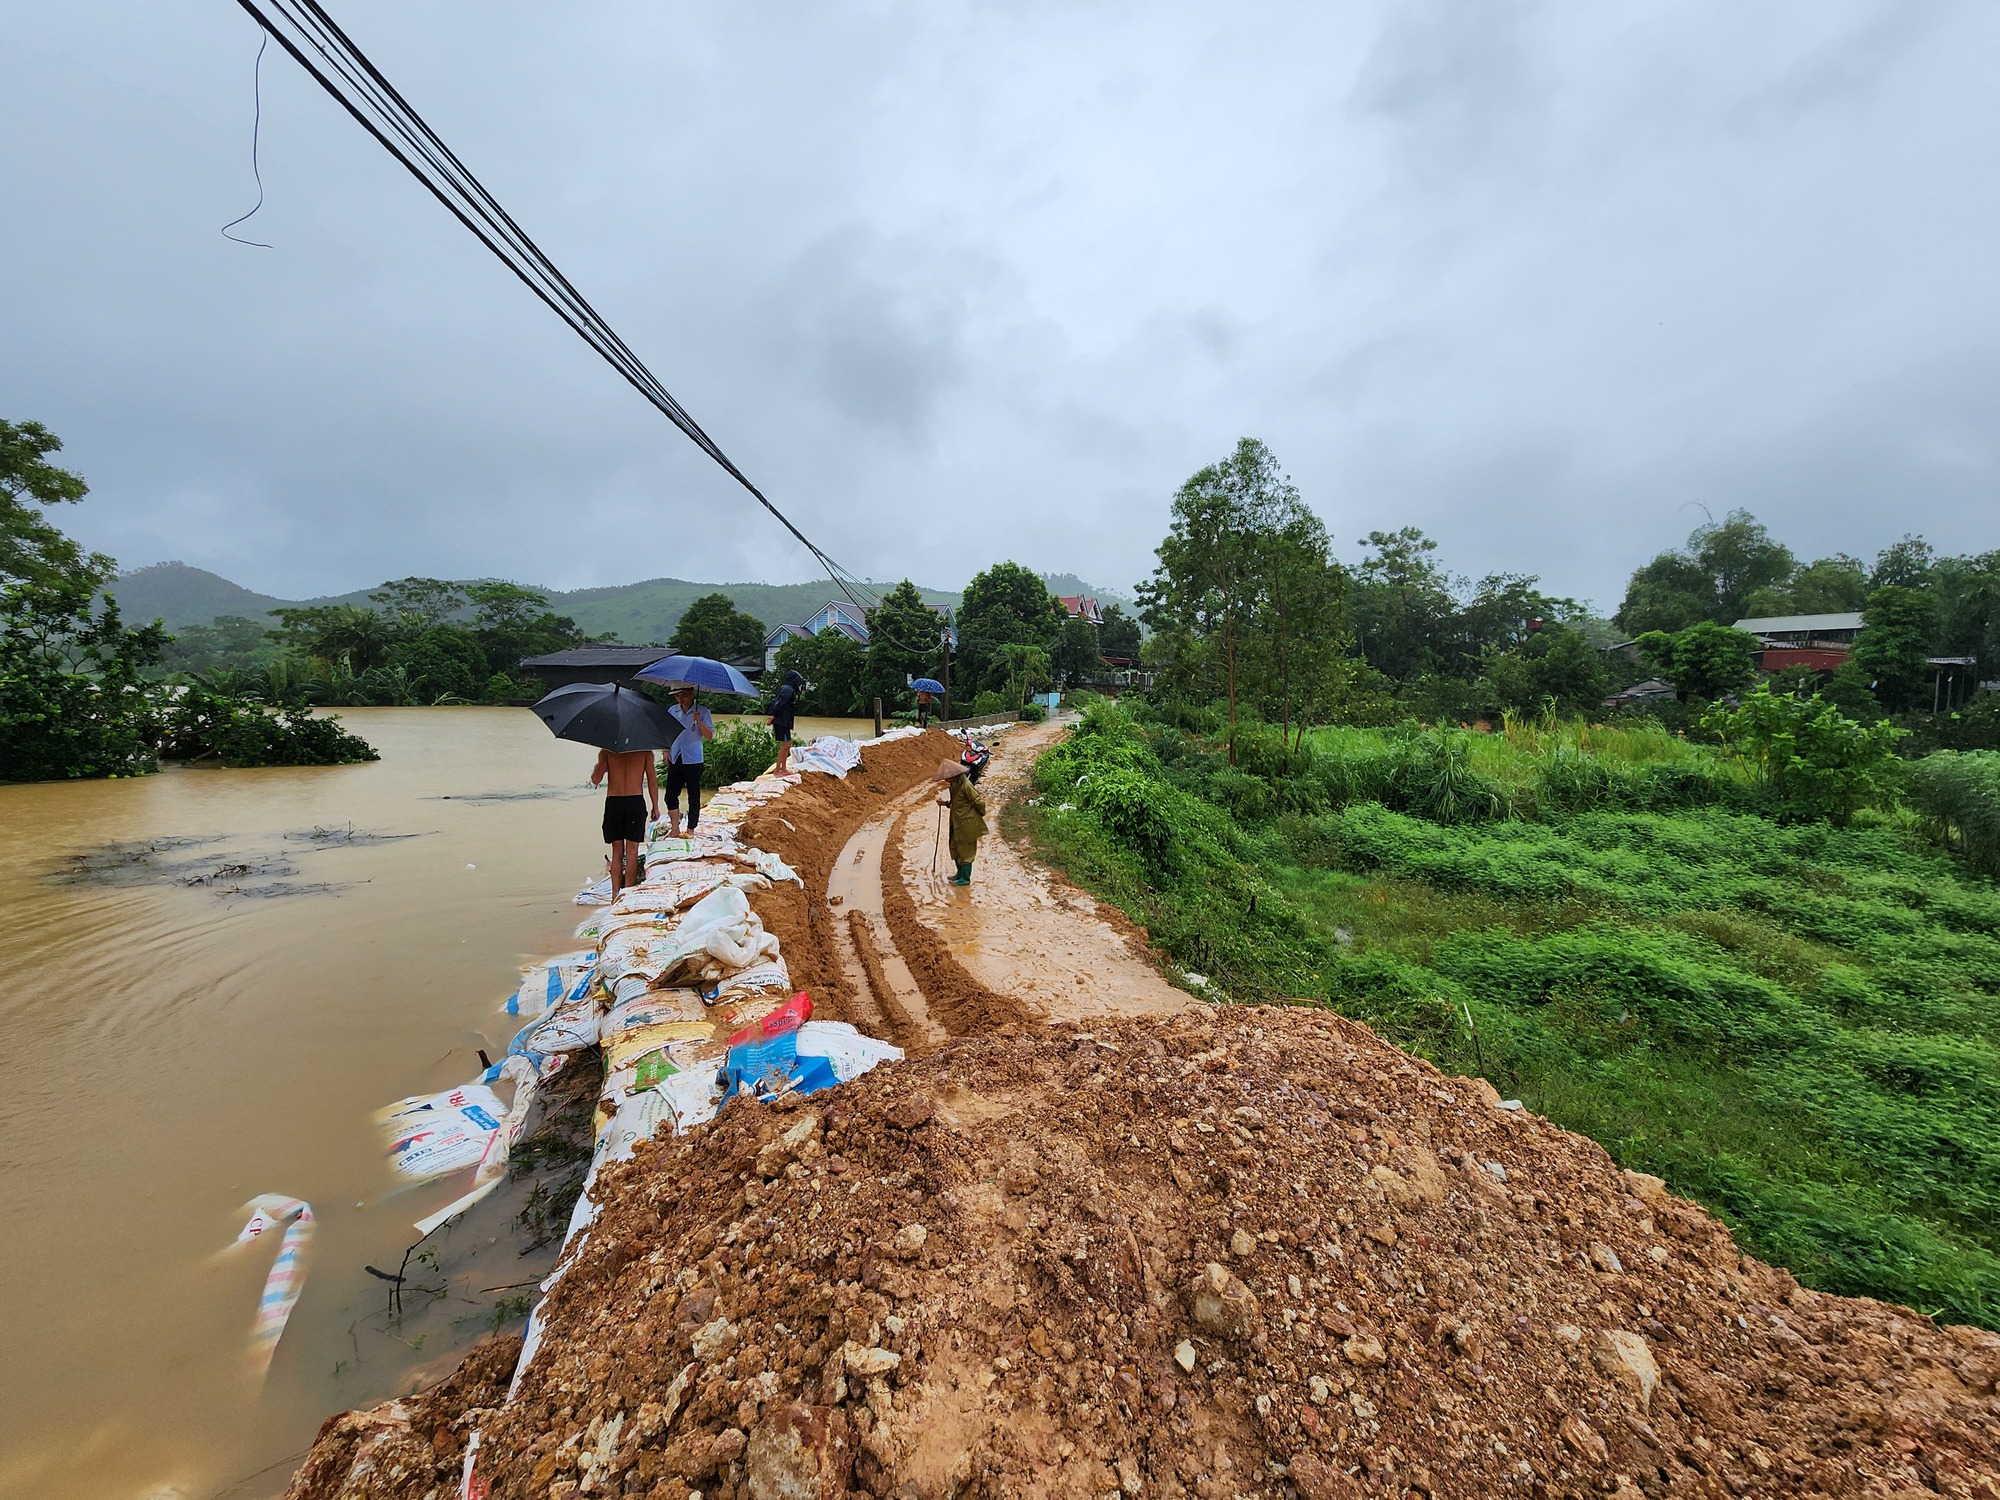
{"x":800,"y":1452}
{"x":1627,"y":1359}
{"x":1221,"y":1304}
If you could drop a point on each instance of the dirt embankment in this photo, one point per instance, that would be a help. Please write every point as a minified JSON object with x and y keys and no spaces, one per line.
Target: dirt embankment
{"x":1238,"y":1252}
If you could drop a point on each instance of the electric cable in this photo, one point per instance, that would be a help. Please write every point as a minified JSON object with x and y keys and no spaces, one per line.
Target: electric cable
{"x":303,"y":27}
{"x":256,"y":135}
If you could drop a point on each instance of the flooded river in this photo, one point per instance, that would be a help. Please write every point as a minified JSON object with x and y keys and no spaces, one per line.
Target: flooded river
{"x":213,"y":980}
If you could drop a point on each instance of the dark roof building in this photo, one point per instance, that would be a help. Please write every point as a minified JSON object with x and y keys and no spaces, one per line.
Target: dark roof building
{"x":591,"y":664}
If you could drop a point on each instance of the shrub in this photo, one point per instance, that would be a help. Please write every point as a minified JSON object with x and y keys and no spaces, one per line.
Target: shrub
{"x":201,"y":724}
{"x":1812,"y":759}
{"x":1960,"y":793}
{"x":1033,"y":713}
{"x":988,"y":702}
{"x":502,"y":688}
{"x":741,"y":753}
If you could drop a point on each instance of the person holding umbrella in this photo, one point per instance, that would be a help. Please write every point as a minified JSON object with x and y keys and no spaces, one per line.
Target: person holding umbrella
{"x":968,"y":816}
{"x":684,"y":758}
{"x":626,"y":727}
{"x":927,"y":688}
{"x":684,"y":674}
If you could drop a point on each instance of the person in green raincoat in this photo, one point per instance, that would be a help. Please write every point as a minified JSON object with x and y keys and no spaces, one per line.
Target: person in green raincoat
{"x":968,"y":816}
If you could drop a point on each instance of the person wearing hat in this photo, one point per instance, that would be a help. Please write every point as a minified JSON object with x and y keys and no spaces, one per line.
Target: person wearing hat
{"x":968,"y":816}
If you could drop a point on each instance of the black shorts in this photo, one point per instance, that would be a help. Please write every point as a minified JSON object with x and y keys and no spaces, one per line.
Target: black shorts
{"x":625,"y":820}
{"x":781,"y":731}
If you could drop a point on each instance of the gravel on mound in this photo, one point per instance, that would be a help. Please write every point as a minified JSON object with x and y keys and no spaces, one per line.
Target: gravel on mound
{"x":1237,"y":1252}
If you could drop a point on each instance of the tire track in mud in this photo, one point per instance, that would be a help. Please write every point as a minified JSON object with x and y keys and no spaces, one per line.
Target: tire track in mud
{"x":957,"y":1000}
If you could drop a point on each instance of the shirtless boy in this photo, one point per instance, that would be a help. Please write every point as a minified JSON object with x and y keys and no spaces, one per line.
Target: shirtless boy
{"x":632,"y":781}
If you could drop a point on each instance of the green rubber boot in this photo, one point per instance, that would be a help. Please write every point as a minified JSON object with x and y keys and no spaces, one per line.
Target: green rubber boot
{"x":964,"y":875}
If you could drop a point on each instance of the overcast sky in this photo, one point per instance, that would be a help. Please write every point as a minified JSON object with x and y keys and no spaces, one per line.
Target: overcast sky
{"x":957,"y":283}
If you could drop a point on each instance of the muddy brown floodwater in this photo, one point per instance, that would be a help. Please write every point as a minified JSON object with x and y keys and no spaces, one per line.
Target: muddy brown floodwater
{"x":212,"y":980}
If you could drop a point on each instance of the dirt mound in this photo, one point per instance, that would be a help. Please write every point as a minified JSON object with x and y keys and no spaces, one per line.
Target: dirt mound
{"x":415,"y":1446}
{"x":1239,"y":1252}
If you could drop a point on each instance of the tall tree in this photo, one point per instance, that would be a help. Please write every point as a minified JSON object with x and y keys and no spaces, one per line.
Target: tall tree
{"x":1007,"y":605}
{"x":1402,"y":604}
{"x":1077,"y":655}
{"x":905,"y":640}
{"x":1894,"y":646}
{"x":1828,"y":586}
{"x":831,"y":663}
{"x":1724,"y":563}
{"x":416,"y":604}
{"x":1903,"y":564}
{"x":1119,"y":637}
{"x":713,"y":626}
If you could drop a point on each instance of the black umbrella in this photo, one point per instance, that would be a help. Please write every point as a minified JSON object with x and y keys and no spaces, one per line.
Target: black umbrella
{"x":608,"y":716}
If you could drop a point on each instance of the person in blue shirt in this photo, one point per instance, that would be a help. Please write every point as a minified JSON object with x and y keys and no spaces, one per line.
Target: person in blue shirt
{"x":684,"y":759}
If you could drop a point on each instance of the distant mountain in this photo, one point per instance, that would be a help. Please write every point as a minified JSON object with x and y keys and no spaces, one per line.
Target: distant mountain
{"x":646,"y":613}
{"x":639,"y":614}
{"x":181,"y":595}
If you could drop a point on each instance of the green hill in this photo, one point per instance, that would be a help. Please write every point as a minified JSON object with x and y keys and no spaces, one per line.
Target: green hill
{"x":637,"y":613}
{"x":646,"y":613}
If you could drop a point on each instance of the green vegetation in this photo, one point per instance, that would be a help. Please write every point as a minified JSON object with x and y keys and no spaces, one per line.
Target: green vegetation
{"x":715,"y":628}
{"x":79,"y":695}
{"x":1792,"y":1022}
{"x":1960,"y":794}
{"x":743,"y":752}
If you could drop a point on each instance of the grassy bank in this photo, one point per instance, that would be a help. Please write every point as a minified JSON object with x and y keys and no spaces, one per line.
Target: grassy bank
{"x":1794,"y":1024}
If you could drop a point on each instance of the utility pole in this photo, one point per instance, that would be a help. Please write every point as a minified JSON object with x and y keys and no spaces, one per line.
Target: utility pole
{"x":944,"y":640}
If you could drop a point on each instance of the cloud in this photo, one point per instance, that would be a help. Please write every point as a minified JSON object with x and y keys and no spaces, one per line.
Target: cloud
{"x":961,"y":283}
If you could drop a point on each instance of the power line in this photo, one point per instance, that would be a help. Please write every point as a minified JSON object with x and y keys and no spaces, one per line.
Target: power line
{"x":317,"y":43}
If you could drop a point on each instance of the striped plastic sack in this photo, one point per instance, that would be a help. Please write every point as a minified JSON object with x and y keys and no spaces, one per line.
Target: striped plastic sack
{"x":269,"y":1212}
{"x":547,"y":985}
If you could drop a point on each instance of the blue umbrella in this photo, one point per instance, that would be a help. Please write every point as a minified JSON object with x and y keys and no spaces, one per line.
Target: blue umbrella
{"x":928,"y":685}
{"x":698,"y":672}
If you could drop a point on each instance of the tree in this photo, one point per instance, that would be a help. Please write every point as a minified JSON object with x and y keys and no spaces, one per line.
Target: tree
{"x":1813,"y":760}
{"x":1723,"y":565}
{"x":1119,"y":636}
{"x":1706,"y":660}
{"x":1007,"y":605}
{"x":1199,"y":597}
{"x":905,"y":640}
{"x":1894,"y":646}
{"x":1904,"y":564}
{"x":1967,"y":590}
{"x":1402,"y":604}
{"x":714,"y":627}
{"x":443,"y":662}
{"x":1296,"y":658}
{"x":416,"y":604}
{"x":1831,"y":585}
{"x":1565,"y":668}
{"x":512,"y":622}
{"x":32,"y":549}
{"x":1506,"y":611}
{"x":1028,"y":669}
{"x":228,"y":643}
{"x":329,"y":633}
{"x":831,"y":663}
{"x":1669,"y":593}
{"x":1077,"y":657}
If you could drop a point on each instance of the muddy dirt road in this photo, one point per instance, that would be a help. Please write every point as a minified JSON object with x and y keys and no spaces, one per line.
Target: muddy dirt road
{"x":926,"y":960}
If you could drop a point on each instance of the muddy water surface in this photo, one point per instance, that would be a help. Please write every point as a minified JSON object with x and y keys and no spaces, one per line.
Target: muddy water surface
{"x":212,"y":979}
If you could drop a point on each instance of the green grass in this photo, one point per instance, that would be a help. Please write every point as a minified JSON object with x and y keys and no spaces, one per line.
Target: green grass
{"x":1797,"y":1025}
